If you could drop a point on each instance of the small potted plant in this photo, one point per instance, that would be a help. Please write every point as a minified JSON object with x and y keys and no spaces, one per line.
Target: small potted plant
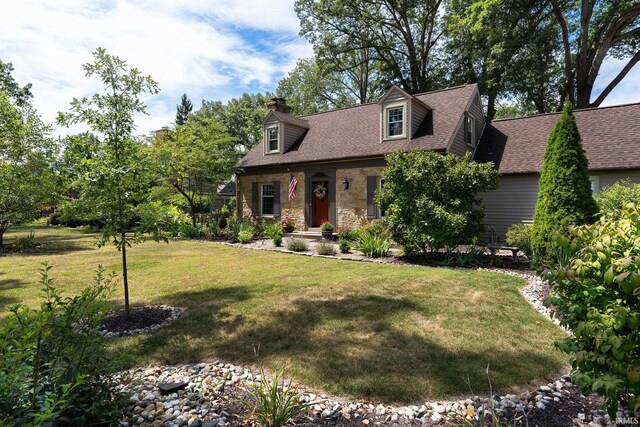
{"x":288,"y":224}
{"x":327,"y":229}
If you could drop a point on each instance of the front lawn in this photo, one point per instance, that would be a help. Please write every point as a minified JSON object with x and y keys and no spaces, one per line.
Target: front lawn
{"x":385,"y":332}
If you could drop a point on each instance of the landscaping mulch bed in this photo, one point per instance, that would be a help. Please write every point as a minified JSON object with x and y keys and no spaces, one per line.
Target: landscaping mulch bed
{"x":141,"y":319}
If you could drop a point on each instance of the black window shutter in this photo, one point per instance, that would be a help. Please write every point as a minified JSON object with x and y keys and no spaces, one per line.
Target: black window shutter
{"x":276,"y":198}
{"x":372,"y":209}
{"x":255,"y":201}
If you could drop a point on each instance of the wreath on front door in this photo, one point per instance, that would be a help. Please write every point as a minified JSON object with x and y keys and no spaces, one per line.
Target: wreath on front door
{"x":320,"y":191}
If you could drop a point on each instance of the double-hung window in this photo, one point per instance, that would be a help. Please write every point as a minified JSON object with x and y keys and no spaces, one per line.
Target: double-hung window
{"x":395,"y":127}
{"x":273,"y":140}
{"x":267,"y":196}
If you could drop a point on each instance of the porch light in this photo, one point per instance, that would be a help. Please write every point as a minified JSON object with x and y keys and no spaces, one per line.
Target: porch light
{"x":345,"y":183}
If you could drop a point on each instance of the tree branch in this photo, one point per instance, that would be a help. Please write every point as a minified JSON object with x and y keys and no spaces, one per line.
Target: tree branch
{"x":607,"y":90}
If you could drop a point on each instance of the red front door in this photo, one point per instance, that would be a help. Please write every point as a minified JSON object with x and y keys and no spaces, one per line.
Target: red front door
{"x":320,"y":202}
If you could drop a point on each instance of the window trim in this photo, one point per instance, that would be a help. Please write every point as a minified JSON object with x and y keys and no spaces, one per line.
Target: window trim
{"x":403,"y":106}
{"x":595,"y":184}
{"x":261,"y":197}
{"x":268,"y":141}
{"x":471,"y":125}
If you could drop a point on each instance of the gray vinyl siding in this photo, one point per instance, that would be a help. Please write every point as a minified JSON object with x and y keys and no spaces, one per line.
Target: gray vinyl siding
{"x":609,"y":178}
{"x":291,"y":134}
{"x":418,"y":113}
{"x":513,"y":202}
{"x":459,"y":146}
{"x":475,"y":110}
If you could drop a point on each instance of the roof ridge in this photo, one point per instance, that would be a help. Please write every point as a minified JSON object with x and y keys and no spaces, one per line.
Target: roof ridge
{"x":371,"y":103}
{"x":580,"y":110}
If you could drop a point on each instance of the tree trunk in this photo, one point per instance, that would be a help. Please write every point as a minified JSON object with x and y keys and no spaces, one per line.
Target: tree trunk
{"x":3,"y":228}
{"x":124,"y":274}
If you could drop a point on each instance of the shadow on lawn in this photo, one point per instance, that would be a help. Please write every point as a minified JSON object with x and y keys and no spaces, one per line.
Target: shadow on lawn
{"x":353,"y":345}
{"x":5,"y":285}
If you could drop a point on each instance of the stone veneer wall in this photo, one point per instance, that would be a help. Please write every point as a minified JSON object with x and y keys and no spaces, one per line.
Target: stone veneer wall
{"x":294,"y":208}
{"x":351,"y":204}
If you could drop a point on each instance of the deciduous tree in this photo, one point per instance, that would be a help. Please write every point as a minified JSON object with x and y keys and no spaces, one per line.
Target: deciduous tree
{"x":117,"y":178}
{"x":194,"y":159}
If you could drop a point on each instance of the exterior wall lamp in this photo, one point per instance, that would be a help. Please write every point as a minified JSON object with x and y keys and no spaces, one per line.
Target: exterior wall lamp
{"x":345,"y":183}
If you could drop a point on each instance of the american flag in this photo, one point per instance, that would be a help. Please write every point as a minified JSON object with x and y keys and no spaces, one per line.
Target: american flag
{"x":293,"y":182}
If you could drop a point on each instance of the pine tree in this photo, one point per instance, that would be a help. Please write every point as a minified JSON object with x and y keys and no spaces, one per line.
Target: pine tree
{"x":184,"y":109}
{"x":564,"y":198}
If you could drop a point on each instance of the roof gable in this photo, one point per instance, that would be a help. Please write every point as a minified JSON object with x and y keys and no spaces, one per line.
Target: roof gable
{"x":354,"y":132}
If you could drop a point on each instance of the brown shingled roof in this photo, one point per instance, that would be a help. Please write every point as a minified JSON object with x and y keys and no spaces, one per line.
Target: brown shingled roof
{"x":610,"y":137}
{"x":288,"y":118}
{"x":354,"y":132}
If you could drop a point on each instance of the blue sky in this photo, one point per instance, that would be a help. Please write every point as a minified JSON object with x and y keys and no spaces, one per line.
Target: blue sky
{"x":209,"y":49}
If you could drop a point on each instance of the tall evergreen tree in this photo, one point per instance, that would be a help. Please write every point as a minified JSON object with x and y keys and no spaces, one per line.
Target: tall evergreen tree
{"x":184,"y":109}
{"x":564,"y":197}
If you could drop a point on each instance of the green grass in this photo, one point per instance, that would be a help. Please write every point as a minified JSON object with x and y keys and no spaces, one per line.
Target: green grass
{"x":376,"y":331}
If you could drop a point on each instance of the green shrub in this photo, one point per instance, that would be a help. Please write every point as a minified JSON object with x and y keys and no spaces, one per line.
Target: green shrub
{"x":373,"y":245}
{"x":245,"y":236}
{"x":26,"y":243}
{"x":325,"y":249}
{"x":191,"y":231}
{"x":564,"y":198}
{"x":54,"y":367}
{"x":235,"y":226}
{"x":277,"y":240}
{"x":213,"y":230}
{"x":272,"y":230}
{"x":274,"y":403}
{"x":596,"y":294}
{"x":616,"y":196}
{"x":430,"y":200}
{"x":519,"y":235}
{"x":163,"y":220}
{"x":297,"y":245}
{"x":54,"y":218}
{"x":345,"y":246}
{"x":326,"y":227}
{"x":347,"y":234}
{"x":472,"y":257}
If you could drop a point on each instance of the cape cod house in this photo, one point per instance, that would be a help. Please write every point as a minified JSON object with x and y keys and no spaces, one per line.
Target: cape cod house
{"x":337,"y":157}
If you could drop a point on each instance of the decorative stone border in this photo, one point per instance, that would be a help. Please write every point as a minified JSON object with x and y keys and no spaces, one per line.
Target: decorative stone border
{"x":175,"y":314}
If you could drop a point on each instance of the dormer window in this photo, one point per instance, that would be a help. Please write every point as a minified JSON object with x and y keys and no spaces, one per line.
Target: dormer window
{"x":471,"y":131}
{"x":395,"y":121}
{"x":273,"y":139}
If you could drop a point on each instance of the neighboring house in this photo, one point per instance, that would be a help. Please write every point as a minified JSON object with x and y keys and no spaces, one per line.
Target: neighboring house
{"x":337,"y":157}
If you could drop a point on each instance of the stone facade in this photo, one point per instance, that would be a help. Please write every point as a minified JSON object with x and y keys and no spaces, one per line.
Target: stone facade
{"x":294,"y":208}
{"x":350,"y":206}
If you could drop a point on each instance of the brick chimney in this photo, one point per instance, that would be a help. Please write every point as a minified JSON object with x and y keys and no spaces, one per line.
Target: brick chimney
{"x":279,"y":105}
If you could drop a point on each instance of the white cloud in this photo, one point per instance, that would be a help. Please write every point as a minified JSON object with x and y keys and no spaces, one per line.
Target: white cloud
{"x":207,"y":49}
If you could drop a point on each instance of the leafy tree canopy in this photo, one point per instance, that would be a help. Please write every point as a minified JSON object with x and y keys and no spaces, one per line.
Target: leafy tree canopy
{"x":117,"y":179}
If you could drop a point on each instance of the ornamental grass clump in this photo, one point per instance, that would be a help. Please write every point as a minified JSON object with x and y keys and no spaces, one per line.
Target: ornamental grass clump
{"x":325,"y":249}
{"x":297,"y":245}
{"x":274,"y":403}
{"x":596,"y":294}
